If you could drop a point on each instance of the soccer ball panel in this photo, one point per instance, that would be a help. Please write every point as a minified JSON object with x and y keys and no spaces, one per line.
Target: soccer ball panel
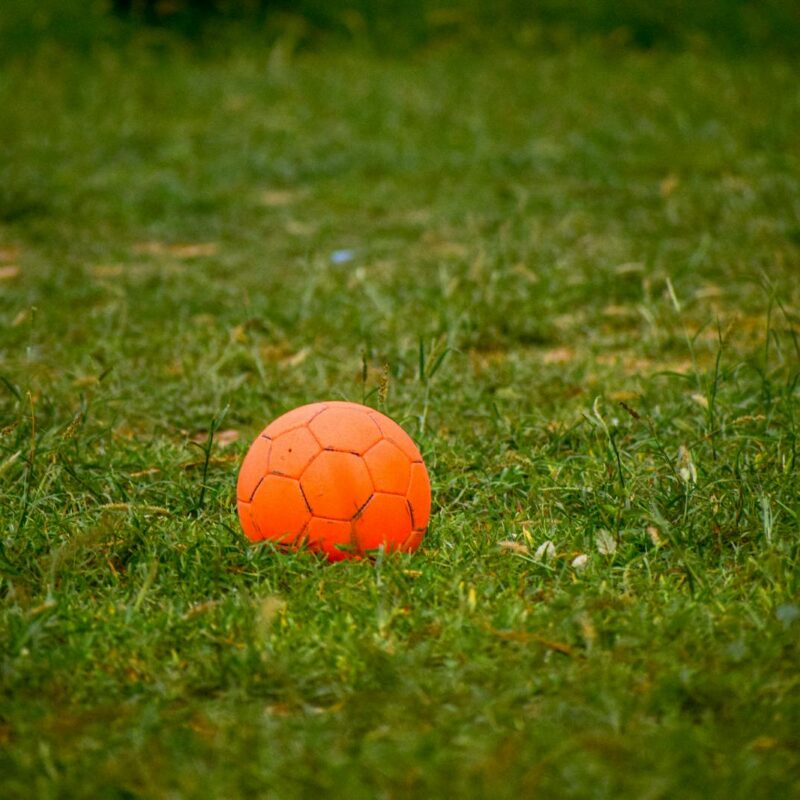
{"x":335,"y":538}
{"x":392,"y":431}
{"x":295,"y":418}
{"x":345,"y":428}
{"x":389,"y":467}
{"x":292,"y":452}
{"x":419,"y":496}
{"x":253,"y":469}
{"x":385,"y":521}
{"x":336,"y":485}
{"x":279,"y":509}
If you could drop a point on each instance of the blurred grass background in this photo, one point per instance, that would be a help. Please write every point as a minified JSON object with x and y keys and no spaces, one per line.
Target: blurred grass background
{"x":397,"y":25}
{"x":225,"y":210}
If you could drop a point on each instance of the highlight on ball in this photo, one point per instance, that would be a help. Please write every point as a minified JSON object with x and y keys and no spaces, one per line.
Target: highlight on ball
{"x":339,"y":478}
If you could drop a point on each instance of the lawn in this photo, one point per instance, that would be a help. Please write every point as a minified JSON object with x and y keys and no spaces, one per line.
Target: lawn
{"x":570,"y":273}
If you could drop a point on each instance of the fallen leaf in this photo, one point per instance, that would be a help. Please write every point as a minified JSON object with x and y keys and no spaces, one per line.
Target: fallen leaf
{"x":184,"y":251}
{"x":193,"y":250}
{"x":275,"y":198}
{"x":634,"y":366}
{"x":525,"y":272}
{"x":607,"y":359}
{"x":142,"y":472}
{"x":221,"y":438}
{"x":214,"y":461}
{"x":297,"y":359}
{"x":10,"y":461}
{"x":619,"y":312}
{"x":606,"y":543}
{"x":527,"y":535}
{"x":22,"y":316}
{"x":200,"y":608}
{"x":239,"y":334}
{"x":655,"y":535}
{"x":151,"y":248}
{"x":108,"y":270}
{"x":545,"y":551}
{"x":558,"y":355}
{"x":275,"y":353}
{"x":226,"y":437}
{"x":513,"y":547}
{"x":526,"y":636}
{"x":331,"y":709}
{"x":709,"y":291}
{"x":749,"y":418}
{"x":145,"y":509}
{"x":580,"y":562}
{"x":450,"y":249}
{"x":569,"y":322}
{"x":669,"y":185}
{"x":630,"y":268}
{"x":9,"y":273}
{"x":297,"y":228}
{"x":681,"y":367}
{"x":686,"y":467}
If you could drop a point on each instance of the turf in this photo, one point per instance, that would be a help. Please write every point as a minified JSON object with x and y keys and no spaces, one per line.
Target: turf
{"x":571,"y":275}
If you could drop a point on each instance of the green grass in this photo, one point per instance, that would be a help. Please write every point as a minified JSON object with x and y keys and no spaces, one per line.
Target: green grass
{"x":576,"y":230}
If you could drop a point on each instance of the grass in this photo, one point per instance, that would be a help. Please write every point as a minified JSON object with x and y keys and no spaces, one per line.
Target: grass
{"x":596,"y":248}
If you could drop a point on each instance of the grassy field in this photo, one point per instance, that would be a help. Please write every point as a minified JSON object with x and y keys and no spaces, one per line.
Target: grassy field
{"x":578,"y":270}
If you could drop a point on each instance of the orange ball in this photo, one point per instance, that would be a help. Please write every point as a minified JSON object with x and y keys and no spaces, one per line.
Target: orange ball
{"x":339,"y":478}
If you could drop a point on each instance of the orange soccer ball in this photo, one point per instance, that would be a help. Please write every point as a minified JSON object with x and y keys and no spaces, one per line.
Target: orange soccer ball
{"x":340,"y":478}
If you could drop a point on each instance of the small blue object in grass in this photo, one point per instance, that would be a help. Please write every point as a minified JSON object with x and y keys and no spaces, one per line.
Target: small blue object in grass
{"x":342,"y":256}
{"x":787,"y":613}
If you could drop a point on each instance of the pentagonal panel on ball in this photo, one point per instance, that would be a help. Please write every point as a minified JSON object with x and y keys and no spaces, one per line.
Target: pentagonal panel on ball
{"x":293,"y":419}
{"x":336,"y":485}
{"x":419,"y":496}
{"x":384,"y":521}
{"x":292,"y":452}
{"x":279,"y":509}
{"x":392,"y":431}
{"x":253,"y":469}
{"x":333,"y":537}
{"x":389,"y":467}
{"x":345,"y":427}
